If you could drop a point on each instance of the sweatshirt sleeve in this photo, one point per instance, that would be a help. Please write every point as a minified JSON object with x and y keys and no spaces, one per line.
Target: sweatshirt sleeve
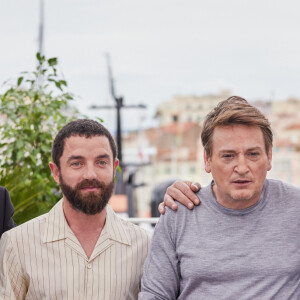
{"x":161,"y":270}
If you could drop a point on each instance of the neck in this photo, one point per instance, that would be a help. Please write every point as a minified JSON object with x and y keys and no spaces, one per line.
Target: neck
{"x":235,"y":203}
{"x":81,"y":222}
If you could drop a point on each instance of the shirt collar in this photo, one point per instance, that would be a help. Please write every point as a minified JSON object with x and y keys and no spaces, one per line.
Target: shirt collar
{"x":57,"y":228}
{"x":56,"y":224}
{"x":116,"y":227}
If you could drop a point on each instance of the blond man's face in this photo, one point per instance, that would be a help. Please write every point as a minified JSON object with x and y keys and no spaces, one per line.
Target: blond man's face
{"x":239,"y":164}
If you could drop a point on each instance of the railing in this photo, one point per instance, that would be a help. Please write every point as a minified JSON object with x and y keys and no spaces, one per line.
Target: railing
{"x":143,"y":220}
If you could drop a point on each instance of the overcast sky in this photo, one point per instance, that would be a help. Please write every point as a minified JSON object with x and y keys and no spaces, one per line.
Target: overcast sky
{"x":158,"y":48}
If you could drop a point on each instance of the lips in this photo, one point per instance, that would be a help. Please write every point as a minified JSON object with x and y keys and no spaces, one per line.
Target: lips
{"x":88,"y":188}
{"x":241,"y":181}
{"x":90,"y":184}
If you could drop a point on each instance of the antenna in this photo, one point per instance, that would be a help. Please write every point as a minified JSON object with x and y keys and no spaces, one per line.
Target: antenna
{"x":110,"y":77}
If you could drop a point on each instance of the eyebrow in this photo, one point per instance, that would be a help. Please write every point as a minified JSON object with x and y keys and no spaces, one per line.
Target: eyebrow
{"x":254,"y":148}
{"x":233,"y":151}
{"x":103,"y":156}
{"x":74,"y":157}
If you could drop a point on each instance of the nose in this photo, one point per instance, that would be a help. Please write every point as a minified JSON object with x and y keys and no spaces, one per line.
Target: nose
{"x":241,"y":165}
{"x":89,"y":172}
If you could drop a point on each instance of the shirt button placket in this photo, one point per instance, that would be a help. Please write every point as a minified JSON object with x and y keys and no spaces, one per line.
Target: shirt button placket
{"x":88,"y":275}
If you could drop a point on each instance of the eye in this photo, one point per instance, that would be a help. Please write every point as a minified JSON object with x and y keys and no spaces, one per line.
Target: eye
{"x":254,"y":154}
{"x":228,"y":156}
{"x":102,"y":163}
{"x":76,"y":164}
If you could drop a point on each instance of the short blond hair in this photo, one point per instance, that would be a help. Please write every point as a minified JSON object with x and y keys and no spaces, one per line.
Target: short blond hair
{"x":235,"y":110}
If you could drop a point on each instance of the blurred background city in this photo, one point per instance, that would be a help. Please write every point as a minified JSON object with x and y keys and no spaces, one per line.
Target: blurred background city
{"x":153,"y":70}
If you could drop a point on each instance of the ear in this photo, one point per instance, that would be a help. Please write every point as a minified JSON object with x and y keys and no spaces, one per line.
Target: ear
{"x":116,"y":165}
{"x":207,"y":162}
{"x":55,"y":171}
{"x":269,"y":164}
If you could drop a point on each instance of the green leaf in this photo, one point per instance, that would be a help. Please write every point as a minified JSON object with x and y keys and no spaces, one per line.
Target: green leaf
{"x":29,"y":80}
{"x":40,"y":58}
{"x":19,"y":144}
{"x":100,"y":120}
{"x":57,"y":83}
{"x":45,"y":148}
{"x":20,"y":79}
{"x":63,"y":82}
{"x":68,"y":96}
{"x":52,"y":61}
{"x":2,"y":145}
{"x":119,"y":169}
{"x":33,"y":159}
{"x":20,"y":154}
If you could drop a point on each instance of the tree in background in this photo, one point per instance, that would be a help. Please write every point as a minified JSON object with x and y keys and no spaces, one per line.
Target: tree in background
{"x":32,"y":109}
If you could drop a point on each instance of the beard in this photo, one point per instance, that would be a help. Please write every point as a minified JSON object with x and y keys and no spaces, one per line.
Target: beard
{"x":89,"y":203}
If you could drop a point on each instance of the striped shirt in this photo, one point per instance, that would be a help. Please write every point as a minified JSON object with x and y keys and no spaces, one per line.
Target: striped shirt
{"x":42,"y":259}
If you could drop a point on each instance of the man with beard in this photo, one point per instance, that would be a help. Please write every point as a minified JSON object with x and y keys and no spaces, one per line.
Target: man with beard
{"x":81,"y":249}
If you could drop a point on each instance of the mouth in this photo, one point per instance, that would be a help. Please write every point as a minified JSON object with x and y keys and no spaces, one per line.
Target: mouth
{"x":241,"y":182}
{"x":90,"y":189}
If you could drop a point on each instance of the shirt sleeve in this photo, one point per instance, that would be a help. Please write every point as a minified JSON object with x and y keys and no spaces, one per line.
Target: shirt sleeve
{"x":12,"y":283}
{"x":161,"y":270}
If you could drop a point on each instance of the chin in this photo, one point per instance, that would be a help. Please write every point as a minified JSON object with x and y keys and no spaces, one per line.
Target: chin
{"x":243,"y":196}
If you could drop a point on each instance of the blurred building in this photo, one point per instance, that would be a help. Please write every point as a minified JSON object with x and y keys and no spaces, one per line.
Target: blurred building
{"x":183,"y":109}
{"x":171,"y":151}
{"x":285,"y":119}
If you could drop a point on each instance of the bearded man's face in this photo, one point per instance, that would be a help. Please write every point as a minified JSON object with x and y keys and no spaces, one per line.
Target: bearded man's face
{"x":89,"y":203}
{"x":86,"y":173}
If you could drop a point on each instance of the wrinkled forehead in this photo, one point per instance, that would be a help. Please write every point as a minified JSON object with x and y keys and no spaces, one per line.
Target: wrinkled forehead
{"x":234,"y":136}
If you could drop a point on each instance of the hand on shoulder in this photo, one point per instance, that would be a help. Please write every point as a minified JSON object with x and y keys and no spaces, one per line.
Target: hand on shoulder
{"x":183,"y":192}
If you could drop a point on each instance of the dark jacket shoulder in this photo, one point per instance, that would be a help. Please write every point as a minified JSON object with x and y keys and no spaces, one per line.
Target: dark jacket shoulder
{"x":6,"y":211}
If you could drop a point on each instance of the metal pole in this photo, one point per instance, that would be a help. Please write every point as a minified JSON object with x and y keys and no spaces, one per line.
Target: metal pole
{"x":41,"y":28}
{"x":119,"y":132}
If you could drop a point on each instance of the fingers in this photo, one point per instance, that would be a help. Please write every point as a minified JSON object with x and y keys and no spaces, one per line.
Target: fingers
{"x":161,"y":208}
{"x":188,"y":189}
{"x":195,"y":186}
{"x":181,"y":192}
{"x":169,"y":201}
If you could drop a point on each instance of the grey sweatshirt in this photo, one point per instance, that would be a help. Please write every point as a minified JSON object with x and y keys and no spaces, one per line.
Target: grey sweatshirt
{"x":212,"y":252}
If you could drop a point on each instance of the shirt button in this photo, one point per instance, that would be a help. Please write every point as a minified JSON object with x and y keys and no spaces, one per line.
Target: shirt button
{"x":89,"y":266}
